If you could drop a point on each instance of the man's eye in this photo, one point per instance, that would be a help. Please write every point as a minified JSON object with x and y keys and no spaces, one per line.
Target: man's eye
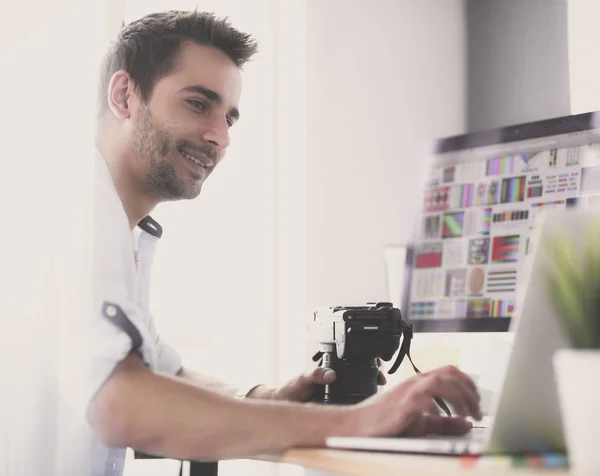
{"x":229,"y":122}
{"x":200,"y":105}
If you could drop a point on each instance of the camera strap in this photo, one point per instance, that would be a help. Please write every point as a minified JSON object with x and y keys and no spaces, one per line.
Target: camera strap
{"x":407,"y":334}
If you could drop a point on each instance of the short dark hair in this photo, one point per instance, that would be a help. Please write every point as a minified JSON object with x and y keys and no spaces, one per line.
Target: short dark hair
{"x":146,"y":48}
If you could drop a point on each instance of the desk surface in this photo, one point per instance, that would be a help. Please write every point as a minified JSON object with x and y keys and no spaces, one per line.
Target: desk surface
{"x":362,"y":463}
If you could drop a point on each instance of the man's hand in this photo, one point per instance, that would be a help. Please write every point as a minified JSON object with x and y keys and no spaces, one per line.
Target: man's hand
{"x":409,"y":408}
{"x":302,"y":388}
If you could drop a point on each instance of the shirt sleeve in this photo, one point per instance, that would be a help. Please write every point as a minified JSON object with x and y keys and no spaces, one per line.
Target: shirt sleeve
{"x":115,"y":326}
{"x":167,"y":358}
{"x":116,"y":332}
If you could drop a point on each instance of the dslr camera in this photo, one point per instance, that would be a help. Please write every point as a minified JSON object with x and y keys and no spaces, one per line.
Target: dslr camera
{"x":351,"y":340}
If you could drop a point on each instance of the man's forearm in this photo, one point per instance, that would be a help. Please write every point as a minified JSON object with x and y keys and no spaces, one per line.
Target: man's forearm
{"x":209,"y":383}
{"x":167,"y":416}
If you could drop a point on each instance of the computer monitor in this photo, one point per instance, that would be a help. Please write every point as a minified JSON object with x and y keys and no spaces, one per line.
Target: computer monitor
{"x":482,"y":195}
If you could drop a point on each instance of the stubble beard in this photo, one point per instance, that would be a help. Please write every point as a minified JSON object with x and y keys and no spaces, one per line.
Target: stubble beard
{"x":153,"y":144}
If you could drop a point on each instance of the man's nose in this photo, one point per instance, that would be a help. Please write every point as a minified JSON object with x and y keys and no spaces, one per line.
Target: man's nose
{"x":217,"y":134}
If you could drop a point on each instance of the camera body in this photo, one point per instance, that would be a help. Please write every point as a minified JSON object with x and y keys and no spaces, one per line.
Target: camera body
{"x":351,"y":340}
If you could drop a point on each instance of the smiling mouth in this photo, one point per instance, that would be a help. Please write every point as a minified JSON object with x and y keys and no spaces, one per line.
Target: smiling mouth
{"x":200,"y":160}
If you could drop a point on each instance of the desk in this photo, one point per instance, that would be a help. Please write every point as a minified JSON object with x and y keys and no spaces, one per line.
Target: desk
{"x":324,"y":462}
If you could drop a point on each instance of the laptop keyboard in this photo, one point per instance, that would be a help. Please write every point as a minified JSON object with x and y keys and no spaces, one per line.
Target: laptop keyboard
{"x":472,"y":442}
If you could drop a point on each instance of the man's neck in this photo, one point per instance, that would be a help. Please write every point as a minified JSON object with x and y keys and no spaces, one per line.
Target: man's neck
{"x":136,"y":203}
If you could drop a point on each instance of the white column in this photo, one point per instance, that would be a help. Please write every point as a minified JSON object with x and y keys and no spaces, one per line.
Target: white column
{"x":290,"y":186}
{"x":290,"y":310}
{"x":584,"y":45}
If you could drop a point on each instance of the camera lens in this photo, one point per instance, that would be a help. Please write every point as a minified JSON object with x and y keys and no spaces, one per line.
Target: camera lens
{"x":355,"y":381}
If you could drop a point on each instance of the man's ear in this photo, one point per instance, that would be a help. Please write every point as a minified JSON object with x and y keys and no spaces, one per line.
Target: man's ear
{"x":120,"y":94}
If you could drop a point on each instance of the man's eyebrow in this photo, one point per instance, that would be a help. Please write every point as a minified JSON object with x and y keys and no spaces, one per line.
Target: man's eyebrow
{"x":212,"y":96}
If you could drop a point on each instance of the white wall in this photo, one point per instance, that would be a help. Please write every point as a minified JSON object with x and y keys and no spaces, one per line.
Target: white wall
{"x":382,"y":77}
{"x":584,"y":44}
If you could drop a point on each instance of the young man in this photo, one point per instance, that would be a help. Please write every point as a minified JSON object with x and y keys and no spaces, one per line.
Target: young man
{"x":170,"y":92}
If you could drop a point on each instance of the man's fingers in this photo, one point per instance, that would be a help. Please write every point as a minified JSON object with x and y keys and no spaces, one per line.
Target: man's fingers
{"x":319,"y":375}
{"x":415,"y":410}
{"x":453,"y":371}
{"x":468,"y":388}
{"x":472,"y":398}
{"x":450,"y":426}
{"x":465,"y":387}
{"x":454,"y":426}
{"x":436,"y":385}
{"x":439,"y":425}
{"x":432,"y":408}
{"x":463,"y":378}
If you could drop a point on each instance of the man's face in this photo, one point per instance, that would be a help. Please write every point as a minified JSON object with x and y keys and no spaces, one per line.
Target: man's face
{"x":181,"y":134}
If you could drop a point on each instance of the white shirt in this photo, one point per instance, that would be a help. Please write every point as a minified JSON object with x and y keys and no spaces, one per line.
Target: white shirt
{"x":121,"y":319}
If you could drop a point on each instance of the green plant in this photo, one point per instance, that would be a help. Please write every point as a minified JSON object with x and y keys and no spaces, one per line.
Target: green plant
{"x":573,"y":280}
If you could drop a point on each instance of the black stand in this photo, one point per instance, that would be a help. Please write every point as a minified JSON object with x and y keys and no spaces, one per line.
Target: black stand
{"x":197,"y":468}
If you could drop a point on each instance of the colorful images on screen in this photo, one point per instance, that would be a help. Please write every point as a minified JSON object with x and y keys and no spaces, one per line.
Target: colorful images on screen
{"x":501,"y":165}
{"x":453,"y":225}
{"x":509,"y":164}
{"x":476,"y":222}
{"x":561,"y":183}
{"x":510,"y":216}
{"x":456,"y":281}
{"x":487,"y":193}
{"x":553,"y":156}
{"x":536,"y":208}
{"x":462,"y":196}
{"x":422,"y":310}
{"x":503,"y":308}
{"x":429,"y":257}
{"x":553,"y":204}
{"x":449,"y":173}
{"x":436,"y":199}
{"x":502,"y":281}
{"x":478,"y":308}
{"x":431,"y":226}
{"x":573,"y":182}
{"x":513,"y":190}
{"x":479,"y":249}
{"x":486,"y":221}
{"x":476,"y":281}
{"x":505,"y":249}
{"x":527,"y":156}
{"x":572,"y":156}
{"x":535,"y":187}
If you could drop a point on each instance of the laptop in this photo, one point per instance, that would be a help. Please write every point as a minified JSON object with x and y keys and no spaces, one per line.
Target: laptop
{"x":525,"y":413}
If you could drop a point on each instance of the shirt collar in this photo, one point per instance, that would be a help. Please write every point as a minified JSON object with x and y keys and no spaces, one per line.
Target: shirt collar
{"x":148,"y":224}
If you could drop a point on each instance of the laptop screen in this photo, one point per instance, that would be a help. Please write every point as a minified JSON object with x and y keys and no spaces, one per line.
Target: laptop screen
{"x":482,"y":195}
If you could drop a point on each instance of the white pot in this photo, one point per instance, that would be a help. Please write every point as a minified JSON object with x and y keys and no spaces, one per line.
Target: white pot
{"x":578,"y":380}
